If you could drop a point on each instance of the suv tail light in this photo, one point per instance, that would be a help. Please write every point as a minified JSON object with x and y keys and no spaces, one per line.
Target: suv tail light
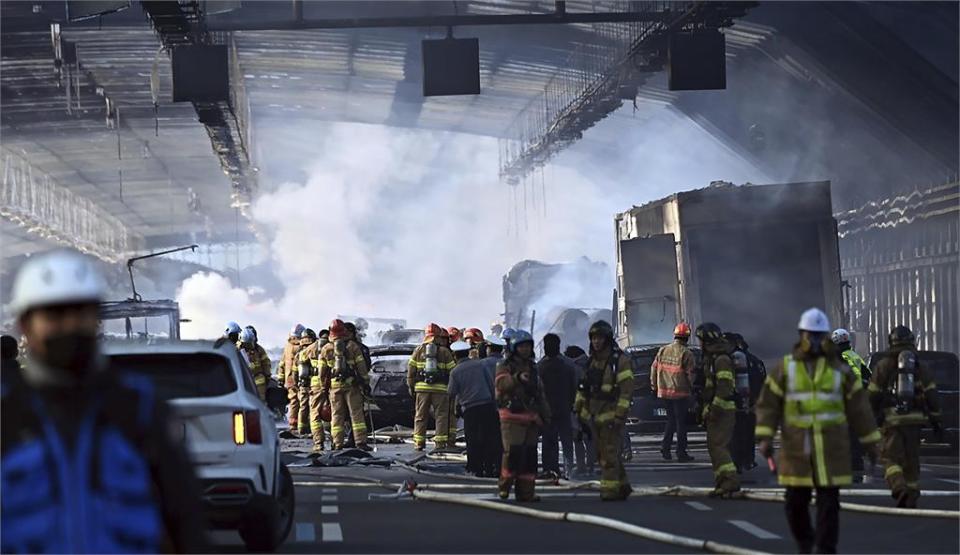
{"x":246,"y":427}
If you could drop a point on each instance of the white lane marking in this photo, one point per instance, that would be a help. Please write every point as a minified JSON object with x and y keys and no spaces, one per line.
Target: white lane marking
{"x":306,"y":532}
{"x":331,"y":532}
{"x":325,"y":498}
{"x":329,"y":510}
{"x":698,"y":506}
{"x":949,"y":481}
{"x":329,"y":490}
{"x":753,"y":529}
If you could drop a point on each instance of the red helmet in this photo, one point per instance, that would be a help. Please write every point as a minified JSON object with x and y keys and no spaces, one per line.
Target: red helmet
{"x":431,"y":330}
{"x":444,"y":333}
{"x":473,"y":335}
{"x":338,"y":329}
{"x":454,"y":333}
{"x":682,"y":330}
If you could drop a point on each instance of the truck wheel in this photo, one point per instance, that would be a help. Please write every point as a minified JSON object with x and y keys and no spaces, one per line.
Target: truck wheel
{"x":265,"y":529}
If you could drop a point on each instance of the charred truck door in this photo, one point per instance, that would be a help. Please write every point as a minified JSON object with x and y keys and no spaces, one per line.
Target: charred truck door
{"x":648,"y":290}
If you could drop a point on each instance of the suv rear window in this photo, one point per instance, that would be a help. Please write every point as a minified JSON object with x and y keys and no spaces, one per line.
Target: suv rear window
{"x":180,"y":375}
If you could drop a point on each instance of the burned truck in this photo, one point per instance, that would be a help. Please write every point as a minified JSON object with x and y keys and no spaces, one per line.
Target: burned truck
{"x":750,"y":258}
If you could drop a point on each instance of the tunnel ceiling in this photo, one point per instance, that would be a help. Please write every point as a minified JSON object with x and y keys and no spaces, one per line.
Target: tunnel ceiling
{"x":141,"y":162}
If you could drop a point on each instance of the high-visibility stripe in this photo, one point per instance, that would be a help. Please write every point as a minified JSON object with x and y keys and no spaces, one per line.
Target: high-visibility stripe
{"x":763,"y":431}
{"x":932,"y":385}
{"x":623,"y":403}
{"x":725,"y":405}
{"x":315,"y":426}
{"x":892,"y":469}
{"x":818,"y":447}
{"x":797,"y":481}
{"x":605,"y":417}
{"x":841,"y":480}
{"x":725,"y":468}
{"x":872,"y":437}
{"x":418,"y":437}
{"x":873,"y":388}
{"x":336,"y":429}
{"x":773,"y":386}
{"x":359,"y":427}
{"x":724,"y":375}
{"x":440,"y":438}
{"x":610,"y":484}
{"x":624,"y":375}
{"x":424,"y":387}
{"x":606,"y":388}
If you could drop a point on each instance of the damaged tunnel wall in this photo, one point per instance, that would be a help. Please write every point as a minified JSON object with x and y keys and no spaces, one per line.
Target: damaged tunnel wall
{"x":900,"y":258}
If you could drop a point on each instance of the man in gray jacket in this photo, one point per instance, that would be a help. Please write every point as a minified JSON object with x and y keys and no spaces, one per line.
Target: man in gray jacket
{"x":471,"y":384}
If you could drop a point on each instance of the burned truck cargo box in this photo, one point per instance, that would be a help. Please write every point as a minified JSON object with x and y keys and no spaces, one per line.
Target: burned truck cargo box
{"x":750,"y":258}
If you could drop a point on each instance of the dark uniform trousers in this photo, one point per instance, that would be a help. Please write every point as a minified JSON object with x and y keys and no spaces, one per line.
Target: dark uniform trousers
{"x":824,"y":536}
{"x":481,"y":426}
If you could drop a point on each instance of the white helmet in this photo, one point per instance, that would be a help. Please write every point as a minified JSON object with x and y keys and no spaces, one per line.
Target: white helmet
{"x":247,"y":336}
{"x":459,"y":346}
{"x":56,"y":278}
{"x":496,"y":340}
{"x":814,"y":320}
{"x":839,"y":336}
{"x":297,"y":330}
{"x":232,"y":327}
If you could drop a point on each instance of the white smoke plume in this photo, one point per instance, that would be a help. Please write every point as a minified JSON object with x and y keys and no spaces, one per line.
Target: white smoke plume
{"x":415,"y":224}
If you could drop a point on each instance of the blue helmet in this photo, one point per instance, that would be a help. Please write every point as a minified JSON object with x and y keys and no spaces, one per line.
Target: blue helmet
{"x":232,"y":327}
{"x":248,"y":336}
{"x":518,"y":337}
{"x":297,"y":331}
{"x":507,"y":335}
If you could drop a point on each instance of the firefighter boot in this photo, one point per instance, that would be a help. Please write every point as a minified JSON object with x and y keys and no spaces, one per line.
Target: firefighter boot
{"x":504,"y":485}
{"x":525,"y":490}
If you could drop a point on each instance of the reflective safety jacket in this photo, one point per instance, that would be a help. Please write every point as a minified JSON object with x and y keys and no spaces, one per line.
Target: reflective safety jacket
{"x":671,"y":374}
{"x":94,"y":471}
{"x":310,"y":356}
{"x":287,"y":367}
{"x":855,"y":362}
{"x":259,"y":362}
{"x":418,"y":364}
{"x":719,"y":389}
{"x":342,"y":365}
{"x":813,"y":401}
{"x":606,"y":388}
{"x":882,"y":392}
{"x":519,"y":392}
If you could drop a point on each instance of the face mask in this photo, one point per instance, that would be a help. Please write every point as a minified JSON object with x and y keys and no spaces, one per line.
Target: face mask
{"x":73,"y":352}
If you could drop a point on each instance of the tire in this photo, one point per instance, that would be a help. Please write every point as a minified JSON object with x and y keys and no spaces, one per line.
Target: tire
{"x":267,"y":527}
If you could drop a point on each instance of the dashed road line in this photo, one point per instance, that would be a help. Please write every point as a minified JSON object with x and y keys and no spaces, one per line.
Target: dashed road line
{"x":305,"y":532}
{"x":699,"y":506}
{"x":754,"y":530}
{"x":331,"y":532}
{"x":329,"y":510}
{"x":949,"y":481}
{"x":328,"y":498}
{"x":329,"y":490}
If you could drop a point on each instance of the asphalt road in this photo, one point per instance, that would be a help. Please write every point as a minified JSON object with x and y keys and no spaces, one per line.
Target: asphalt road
{"x":340,"y":519}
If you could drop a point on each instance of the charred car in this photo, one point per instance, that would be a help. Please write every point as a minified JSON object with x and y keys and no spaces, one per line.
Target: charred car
{"x":392,"y":403}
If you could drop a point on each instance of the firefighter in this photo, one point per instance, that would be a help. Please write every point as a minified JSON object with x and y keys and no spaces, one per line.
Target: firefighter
{"x":718,"y":403}
{"x":428,"y":373}
{"x":903,"y":393}
{"x":523,"y":411}
{"x":478,"y":347}
{"x":258,"y":359}
{"x":812,"y":396}
{"x":308,"y":338}
{"x":343,"y":377}
{"x":309,"y":361}
{"x":841,"y":338}
{"x":603,"y":401}
{"x":671,"y":378}
{"x":453,"y":335}
{"x":287,"y":371}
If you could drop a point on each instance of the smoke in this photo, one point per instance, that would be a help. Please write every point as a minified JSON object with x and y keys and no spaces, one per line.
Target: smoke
{"x":413,"y":224}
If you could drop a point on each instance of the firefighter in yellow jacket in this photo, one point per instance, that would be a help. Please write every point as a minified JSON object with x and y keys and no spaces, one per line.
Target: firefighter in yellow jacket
{"x":428,"y":373}
{"x":287,"y":371}
{"x":603,"y":401}
{"x":309,"y":358}
{"x":718,"y":406}
{"x":813,"y":397}
{"x":904,"y":394}
{"x":307,"y":340}
{"x":523,"y":412}
{"x":343,"y":376}
{"x":259,"y":360}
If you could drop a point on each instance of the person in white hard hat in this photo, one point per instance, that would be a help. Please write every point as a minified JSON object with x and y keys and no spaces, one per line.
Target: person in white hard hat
{"x":814,"y":397}
{"x":79,"y":438}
